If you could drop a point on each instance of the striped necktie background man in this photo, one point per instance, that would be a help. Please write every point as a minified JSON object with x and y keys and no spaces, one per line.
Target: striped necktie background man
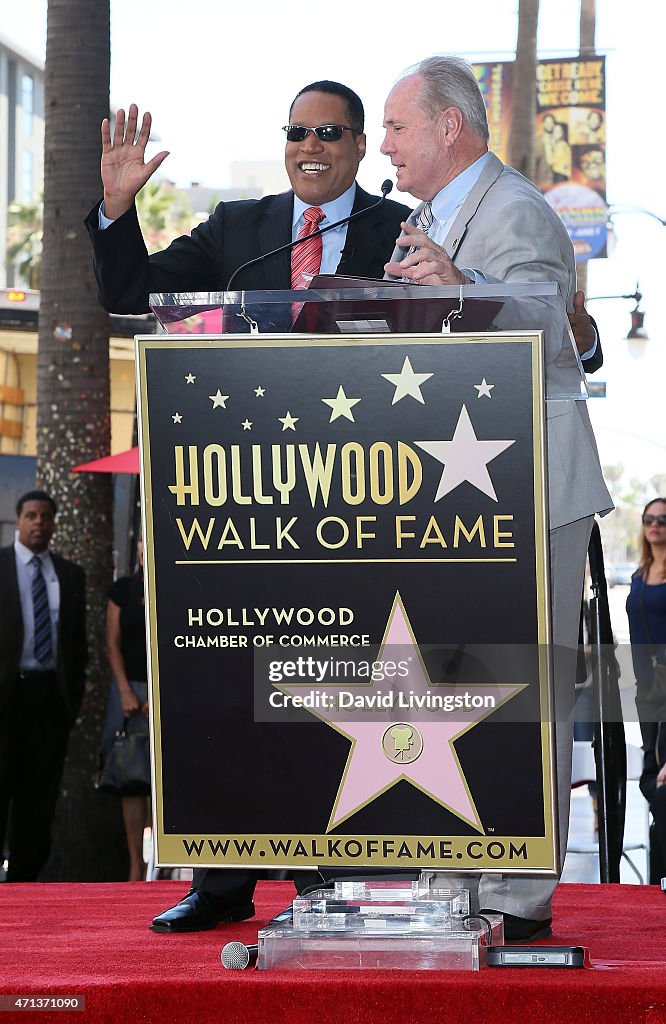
{"x":42,"y":613}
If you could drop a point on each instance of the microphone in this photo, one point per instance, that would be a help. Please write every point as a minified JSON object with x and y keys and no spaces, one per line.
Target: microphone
{"x":236,"y":956}
{"x":385,"y":189}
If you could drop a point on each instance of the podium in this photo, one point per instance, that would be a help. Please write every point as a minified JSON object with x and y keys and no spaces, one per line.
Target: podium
{"x":346,"y":552}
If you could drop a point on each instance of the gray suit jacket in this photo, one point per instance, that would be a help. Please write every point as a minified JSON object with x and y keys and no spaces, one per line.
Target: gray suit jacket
{"x":506,"y":229}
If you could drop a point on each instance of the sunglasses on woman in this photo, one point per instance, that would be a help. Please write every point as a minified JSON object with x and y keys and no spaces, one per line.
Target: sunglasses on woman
{"x":324,"y":132}
{"x":648,"y":519}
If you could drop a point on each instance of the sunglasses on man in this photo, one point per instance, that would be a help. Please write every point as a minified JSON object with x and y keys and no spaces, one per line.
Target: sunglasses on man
{"x":324,"y":132}
{"x":648,"y":519}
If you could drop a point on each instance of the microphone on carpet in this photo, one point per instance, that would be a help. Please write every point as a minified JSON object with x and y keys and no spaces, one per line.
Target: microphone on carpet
{"x":387,"y":185}
{"x":236,"y":956}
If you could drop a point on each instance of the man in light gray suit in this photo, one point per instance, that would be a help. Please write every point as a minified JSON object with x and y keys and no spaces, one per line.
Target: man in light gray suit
{"x":483,"y":222}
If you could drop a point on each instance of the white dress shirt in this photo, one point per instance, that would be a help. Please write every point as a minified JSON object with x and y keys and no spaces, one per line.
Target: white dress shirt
{"x":24,"y":574}
{"x":333,"y":242}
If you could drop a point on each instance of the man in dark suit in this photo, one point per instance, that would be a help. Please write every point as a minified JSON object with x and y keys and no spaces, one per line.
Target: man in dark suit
{"x":43,"y":654}
{"x":322,"y":175}
{"x":322,"y":172}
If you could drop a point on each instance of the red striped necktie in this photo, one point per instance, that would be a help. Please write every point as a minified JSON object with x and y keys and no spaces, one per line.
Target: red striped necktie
{"x":306,"y":257}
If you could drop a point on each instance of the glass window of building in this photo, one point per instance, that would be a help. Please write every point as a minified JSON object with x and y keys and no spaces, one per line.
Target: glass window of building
{"x":27,"y":102}
{"x":26,"y":176}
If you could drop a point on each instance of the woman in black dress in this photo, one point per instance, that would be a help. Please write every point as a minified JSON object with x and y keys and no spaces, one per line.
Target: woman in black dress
{"x":126,"y":646}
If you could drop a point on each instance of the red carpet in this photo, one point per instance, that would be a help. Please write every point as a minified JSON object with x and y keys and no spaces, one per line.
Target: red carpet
{"x":93,"y":940}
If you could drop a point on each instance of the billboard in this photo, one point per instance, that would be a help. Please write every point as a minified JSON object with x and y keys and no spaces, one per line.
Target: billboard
{"x":570,"y":140}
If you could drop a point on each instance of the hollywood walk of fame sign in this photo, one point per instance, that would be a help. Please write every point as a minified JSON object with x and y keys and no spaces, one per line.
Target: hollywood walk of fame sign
{"x":346,"y":562}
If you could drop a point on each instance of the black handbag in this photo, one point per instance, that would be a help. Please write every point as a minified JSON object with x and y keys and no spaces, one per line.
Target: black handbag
{"x":125,"y":770}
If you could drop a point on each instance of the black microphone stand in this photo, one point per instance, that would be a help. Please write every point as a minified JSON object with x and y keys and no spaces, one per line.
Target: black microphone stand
{"x":385,"y":189}
{"x":610,"y":750}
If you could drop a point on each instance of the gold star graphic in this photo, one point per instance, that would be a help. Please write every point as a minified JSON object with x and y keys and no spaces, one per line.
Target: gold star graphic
{"x":341,"y":405}
{"x":407,"y":383}
{"x":288,"y":421}
{"x":219,"y":400}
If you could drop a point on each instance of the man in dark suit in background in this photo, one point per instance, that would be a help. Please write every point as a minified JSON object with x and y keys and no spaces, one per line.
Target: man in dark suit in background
{"x":43,"y":653}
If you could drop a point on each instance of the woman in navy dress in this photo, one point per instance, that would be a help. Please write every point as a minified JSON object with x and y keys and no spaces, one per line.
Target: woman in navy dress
{"x":646,"y":610}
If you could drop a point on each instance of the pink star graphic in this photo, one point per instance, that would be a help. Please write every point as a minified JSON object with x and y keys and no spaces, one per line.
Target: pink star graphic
{"x":437,"y":772}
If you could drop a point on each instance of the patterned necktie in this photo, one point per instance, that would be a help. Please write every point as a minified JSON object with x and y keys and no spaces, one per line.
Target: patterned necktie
{"x":306,"y":257}
{"x":42,"y":613}
{"x":424,"y":222}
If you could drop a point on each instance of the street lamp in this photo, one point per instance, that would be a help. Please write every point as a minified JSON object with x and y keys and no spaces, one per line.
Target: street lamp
{"x":637,"y":315}
{"x":630,"y":208}
{"x":637,"y":330}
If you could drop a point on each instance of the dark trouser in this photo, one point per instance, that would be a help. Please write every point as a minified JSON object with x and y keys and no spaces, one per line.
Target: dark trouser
{"x":236,"y":885}
{"x":658,"y":808}
{"x":656,"y":797}
{"x":33,"y":743}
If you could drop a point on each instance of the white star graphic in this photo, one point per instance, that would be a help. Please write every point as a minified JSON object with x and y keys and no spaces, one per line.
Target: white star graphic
{"x":260,"y":392}
{"x":288,"y":421}
{"x":465,"y":458}
{"x":407,"y":382}
{"x":246,"y":425}
{"x":484,"y":389}
{"x":341,"y":405}
{"x":190,"y":378}
{"x":177,"y":418}
{"x":218,"y":399}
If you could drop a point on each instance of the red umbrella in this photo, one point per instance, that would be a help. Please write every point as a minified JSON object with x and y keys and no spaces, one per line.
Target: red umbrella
{"x":123,"y":462}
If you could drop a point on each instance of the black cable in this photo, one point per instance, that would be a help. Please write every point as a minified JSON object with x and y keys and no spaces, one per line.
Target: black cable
{"x":479,"y":917}
{"x":385,"y":189}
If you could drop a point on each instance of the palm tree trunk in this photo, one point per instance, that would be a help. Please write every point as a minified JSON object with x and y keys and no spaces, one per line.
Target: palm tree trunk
{"x":521,"y":139}
{"x":73,"y":402}
{"x":588,"y":22}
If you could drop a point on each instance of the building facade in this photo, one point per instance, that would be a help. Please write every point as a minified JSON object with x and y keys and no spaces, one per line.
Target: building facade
{"x":19,"y":310}
{"x":21,"y":140}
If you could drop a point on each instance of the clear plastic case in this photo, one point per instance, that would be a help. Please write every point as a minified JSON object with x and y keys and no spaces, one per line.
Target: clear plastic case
{"x":381,"y":925}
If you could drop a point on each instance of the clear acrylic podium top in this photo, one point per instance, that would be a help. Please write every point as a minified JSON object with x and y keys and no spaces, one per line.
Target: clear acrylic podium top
{"x":362,"y":307}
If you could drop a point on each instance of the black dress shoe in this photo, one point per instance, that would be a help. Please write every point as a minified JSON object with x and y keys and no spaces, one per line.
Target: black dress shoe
{"x":523,"y":929}
{"x":200,"y":911}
